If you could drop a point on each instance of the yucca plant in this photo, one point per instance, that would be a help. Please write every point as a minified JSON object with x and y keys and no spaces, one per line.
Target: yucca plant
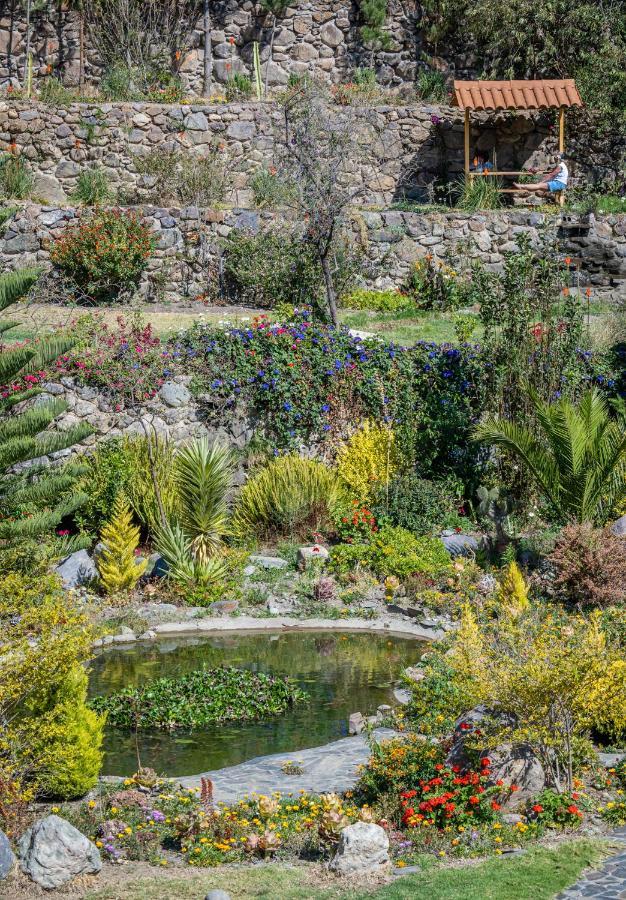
{"x":191,"y":543}
{"x":290,"y":497}
{"x":576,"y":454}
{"x":45,"y":494}
{"x":119,"y":570}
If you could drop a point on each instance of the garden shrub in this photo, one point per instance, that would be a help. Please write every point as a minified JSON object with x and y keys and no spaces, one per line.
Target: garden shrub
{"x":199,"y":698}
{"x":555,"y":810}
{"x":93,"y":188}
{"x":420,"y":505}
{"x":367,"y":461}
{"x":394,"y":552}
{"x":69,"y":738}
{"x":451,"y":799}
{"x":187,"y":179}
{"x":270,"y":267}
{"x":105,"y":477}
{"x":117,"y":567}
{"x":512,"y":592}
{"x":289,"y":497}
{"x":589,"y":566}
{"x":127,"y":362}
{"x":395,"y":765}
{"x":105,"y":255}
{"x":433,"y":284}
{"x":377,"y":301}
{"x":45,"y":637}
{"x":307,"y":382}
{"x":16,"y":179}
{"x":438,"y":699}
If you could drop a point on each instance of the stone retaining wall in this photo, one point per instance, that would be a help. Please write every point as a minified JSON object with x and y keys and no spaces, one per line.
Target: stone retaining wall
{"x":401,"y":150}
{"x":189,"y":243}
{"x":320,"y":37}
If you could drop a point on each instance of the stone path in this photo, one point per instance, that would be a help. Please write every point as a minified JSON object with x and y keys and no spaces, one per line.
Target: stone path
{"x":332,"y":767}
{"x":608,"y":882}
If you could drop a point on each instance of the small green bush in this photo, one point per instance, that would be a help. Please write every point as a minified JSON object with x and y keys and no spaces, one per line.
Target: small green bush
{"x":16,"y":179}
{"x":431,"y":86}
{"x":378,"y":301}
{"x":270,"y":267}
{"x":289,"y":497}
{"x":436,"y":700}
{"x":92,"y":188}
{"x":419,"y":505}
{"x":238,"y":87}
{"x":394,"y":552}
{"x":52,"y":91}
{"x":479,"y":192}
{"x":104,"y":255}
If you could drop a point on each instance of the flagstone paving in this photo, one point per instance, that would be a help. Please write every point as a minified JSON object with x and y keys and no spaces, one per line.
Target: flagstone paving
{"x":332,"y":767}
{"x":608,"y":882}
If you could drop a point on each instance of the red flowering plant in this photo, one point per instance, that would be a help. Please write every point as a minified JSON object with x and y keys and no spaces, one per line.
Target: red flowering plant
{"x":129,"y":363}
{"x":355,"y":523}
{"x":554,"y":810}
{"x":452,"y":798}
{"x":104,"y":255}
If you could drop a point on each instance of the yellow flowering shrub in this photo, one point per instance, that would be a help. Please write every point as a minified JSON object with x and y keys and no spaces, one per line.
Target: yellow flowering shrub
{"x":513,"y":593}
{"x":53,"y":743}
{"x":368,"y":460}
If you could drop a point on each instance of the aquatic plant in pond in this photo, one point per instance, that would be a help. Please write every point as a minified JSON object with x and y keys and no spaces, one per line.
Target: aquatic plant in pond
{"x":203,"y":697}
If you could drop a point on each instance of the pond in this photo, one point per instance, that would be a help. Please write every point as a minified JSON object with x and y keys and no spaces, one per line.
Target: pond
{"x":342,"y":673}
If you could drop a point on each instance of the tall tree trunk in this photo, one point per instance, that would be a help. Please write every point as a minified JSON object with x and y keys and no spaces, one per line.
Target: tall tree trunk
{"x":331,"y":294}
{"x":269,"y":59}
{"x":207,"y":81}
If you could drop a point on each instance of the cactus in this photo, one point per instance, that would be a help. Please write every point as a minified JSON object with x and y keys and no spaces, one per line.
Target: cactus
{"x":256,"y":61}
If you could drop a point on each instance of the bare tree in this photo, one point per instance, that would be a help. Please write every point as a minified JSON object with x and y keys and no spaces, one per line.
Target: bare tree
{"x":140,"y":33}
{"x":315,"y":157}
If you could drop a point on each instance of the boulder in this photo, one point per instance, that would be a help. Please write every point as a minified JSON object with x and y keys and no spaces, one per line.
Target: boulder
{"x":619,"y":527}
{"x":217,"y":895}
{"x":308,"y":556}
{"x":469,"y":724}
{"x":76,"y":569}
{"x":7,"y":857}
{"x":156,"y":568}
{"x":363,"y":848}
{"x":356,"y":723}
{"x":52,"y":852}
{"x":49,"y":191}
{"x":459,"y":544}
{"x":174,"y":395}
{"x":516,"y":765}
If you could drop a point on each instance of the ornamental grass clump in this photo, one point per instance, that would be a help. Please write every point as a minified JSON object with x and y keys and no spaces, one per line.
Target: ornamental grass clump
{"x":199,"y":698}
{"x":290,"y":497}
{"x":104,"y":256}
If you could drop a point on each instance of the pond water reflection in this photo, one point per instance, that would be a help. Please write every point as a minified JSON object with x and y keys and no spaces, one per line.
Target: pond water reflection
{"x":342,"y":673}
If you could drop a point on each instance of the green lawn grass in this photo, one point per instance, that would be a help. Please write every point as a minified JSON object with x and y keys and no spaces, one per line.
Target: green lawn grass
{"x":540,"y":873}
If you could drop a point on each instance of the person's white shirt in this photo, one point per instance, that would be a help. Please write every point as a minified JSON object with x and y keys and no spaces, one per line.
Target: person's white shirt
{"x":563,"y":173}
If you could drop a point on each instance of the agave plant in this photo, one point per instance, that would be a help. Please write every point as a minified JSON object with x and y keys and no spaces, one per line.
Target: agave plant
{"x":577,"y":454}
{"x":190,"y":544}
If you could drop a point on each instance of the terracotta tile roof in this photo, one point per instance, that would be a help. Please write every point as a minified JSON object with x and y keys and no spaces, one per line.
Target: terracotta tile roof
{"x":516,"y":94}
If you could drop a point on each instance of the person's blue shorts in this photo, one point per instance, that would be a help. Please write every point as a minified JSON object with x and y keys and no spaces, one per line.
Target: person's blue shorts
{"x":555,"y":186}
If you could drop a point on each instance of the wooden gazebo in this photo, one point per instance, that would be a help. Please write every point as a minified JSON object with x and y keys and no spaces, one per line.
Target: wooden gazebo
{"x":516,"y":96}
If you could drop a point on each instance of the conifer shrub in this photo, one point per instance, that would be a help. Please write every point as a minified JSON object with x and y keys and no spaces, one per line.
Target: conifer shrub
{"x":69,"y":754}
{"x":513,"y":593}
{"x":368,"y":460}
{"x":117,"y":566}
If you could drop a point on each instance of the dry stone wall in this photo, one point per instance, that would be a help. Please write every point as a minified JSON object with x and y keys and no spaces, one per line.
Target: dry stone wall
{"x":320,"y":37}
{"x":401,"y":150}
{"x":189,"y":243}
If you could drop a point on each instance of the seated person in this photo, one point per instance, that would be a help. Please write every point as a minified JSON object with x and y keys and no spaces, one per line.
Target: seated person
{"x":553,"y":182}
{"x":481,"y":162}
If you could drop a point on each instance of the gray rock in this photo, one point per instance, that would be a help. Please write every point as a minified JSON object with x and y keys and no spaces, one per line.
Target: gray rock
{"x":356,"y":723}
{"x":174,"y":394}
{"x":619,"y":527}
{"x":363,"y":848}
{"x":459,"y":544}
{"x":223,"y":607}
{"x":487,"y":584}
{"x":197,"y":122}
{"x":7,"y":857}
{"x":308,"y":556}
{"x":52,"y":852}
{"x":217,"y":895}
{"x":76,"y":569}
{"x":464,"y":728}
{"x":48,"y":190}
{"x":269,"y":562}
{"x":517,"y":765}
{"x":156,"y":568}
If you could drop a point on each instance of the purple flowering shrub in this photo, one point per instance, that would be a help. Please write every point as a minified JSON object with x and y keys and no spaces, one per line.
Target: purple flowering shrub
{"x":305,"y":382}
